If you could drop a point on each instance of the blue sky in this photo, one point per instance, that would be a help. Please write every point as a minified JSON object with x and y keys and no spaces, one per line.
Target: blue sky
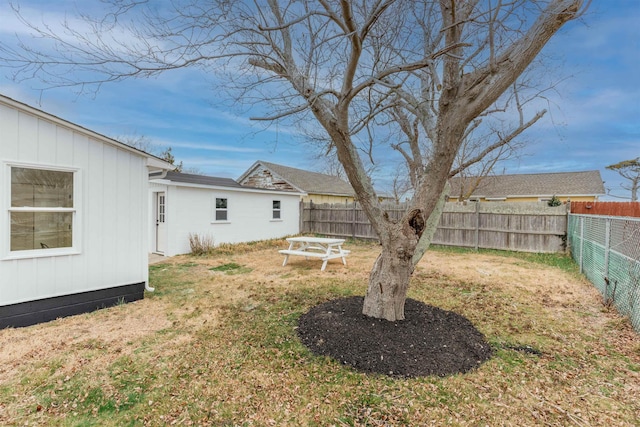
{"x":593,"y":118}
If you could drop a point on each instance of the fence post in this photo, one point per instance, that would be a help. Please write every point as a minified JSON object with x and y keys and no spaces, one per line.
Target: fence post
{"x":607,"y":244}
{"x":581,"y":240}
{"x":477,"y":236}
{"x":301,"y":218}
{"x":353,"y":221}
{"x":567,"y":242}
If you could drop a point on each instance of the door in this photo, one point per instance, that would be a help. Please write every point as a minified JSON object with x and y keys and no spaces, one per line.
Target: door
{"x":161,"y":227}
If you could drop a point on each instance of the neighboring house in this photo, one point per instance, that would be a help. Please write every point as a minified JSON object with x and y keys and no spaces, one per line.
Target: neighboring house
{"x":219,"y":209}
{"x":318,"y":187}
{"x":75,"y":222}
{"x":574,"y":186}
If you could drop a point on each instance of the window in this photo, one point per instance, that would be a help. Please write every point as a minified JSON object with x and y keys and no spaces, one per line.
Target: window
{"x":276,"y":209}
{"x":42,"y":209}
{"x":161,"y":208}
{"x":221,"y":209}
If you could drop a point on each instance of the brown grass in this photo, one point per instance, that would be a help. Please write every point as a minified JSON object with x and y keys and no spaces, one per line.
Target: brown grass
{"x":216,"y":345}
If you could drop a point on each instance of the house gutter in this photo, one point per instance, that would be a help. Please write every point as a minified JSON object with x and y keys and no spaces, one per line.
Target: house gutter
{"x":162,"y":175}
{"x":156,"y":165}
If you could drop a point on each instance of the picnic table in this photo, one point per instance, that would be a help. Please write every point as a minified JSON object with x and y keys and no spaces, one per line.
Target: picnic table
{"x":315,"y":247}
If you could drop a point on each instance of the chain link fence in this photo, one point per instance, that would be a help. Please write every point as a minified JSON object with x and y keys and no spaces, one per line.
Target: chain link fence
{"x":607,"y":249}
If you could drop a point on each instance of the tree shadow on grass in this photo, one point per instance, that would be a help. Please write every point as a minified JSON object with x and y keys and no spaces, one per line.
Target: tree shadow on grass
{"x":431,"y":341}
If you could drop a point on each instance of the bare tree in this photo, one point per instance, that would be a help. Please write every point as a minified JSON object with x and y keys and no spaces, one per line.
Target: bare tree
{"x":343,"y":66}
{"x":492,"y":137}
{"x":139,"y":142}
{"x":400,"y":185}
{"x":145,"y":144}
{"x":168,"y":157}
{"x":486,"y":145}
{"x":629,"y":170}
{"x":328,"y":164}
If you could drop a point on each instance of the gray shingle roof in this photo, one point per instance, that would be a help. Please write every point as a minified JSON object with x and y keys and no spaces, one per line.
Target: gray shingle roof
{"x":584,"y":183}
{"x":309,"y":182}
{"x":202,"y":180}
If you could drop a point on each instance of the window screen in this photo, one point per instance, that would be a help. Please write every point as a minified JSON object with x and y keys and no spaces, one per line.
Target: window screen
{"x":221,"y":209}
{"x":42,"y":209}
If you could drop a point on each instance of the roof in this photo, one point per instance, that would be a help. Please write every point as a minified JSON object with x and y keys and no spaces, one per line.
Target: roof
{"x":586,"y":183}
{"x":305,"y":181}
{"x":152,"y":161}
{"x":188,"y":179}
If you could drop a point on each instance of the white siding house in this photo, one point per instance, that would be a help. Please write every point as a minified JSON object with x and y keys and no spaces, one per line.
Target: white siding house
{"x":216,"y":208}
{"x":74,"y":222}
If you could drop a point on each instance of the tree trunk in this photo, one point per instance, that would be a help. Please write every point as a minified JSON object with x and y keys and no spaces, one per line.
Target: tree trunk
{"x":391,"y":273}
{"x":431,"y":226}
{"x":389,"y":282}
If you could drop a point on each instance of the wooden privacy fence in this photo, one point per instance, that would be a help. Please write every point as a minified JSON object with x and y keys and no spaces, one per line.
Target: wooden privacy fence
{"x":526,"y":227}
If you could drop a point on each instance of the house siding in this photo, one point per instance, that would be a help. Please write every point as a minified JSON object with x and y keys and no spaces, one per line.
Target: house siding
{"x":111,"y":216}
{"x":262,"y":177}
{"x":191,"y":210}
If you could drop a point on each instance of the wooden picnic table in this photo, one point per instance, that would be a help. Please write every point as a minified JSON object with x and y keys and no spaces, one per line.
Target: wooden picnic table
{"x":316,"y":247}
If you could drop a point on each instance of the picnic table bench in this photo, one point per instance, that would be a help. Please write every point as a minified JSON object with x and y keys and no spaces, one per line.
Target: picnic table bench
{"x":315,"y":247}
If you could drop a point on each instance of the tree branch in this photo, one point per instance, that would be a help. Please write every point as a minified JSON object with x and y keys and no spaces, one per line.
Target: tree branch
{"x":500,"y":143}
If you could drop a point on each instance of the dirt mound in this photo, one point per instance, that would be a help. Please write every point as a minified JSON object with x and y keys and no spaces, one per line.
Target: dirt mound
{"x":431,"y":341}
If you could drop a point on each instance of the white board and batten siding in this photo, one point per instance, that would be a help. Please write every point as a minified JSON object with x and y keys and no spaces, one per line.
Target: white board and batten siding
{"x":191,"y":209}
{"x":110,"y":183}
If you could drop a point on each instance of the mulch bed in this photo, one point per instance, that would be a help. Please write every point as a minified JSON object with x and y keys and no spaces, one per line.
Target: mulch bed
{"x":430,"y":341}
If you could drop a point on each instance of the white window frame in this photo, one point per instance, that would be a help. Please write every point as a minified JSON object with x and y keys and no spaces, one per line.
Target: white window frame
{"x":216,"y":209}
{"x":76,"y":234}
{"x":278,"y":210}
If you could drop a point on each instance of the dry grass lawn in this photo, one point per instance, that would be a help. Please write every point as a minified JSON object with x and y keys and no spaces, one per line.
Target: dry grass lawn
{"x":216,"y":345}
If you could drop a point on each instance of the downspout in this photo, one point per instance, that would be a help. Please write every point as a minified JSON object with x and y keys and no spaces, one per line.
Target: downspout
{"x":163,"y":174}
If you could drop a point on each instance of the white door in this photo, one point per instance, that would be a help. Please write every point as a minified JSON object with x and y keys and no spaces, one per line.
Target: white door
{"x":161,"y":227}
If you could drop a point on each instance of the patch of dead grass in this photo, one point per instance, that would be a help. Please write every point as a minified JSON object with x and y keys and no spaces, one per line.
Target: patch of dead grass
{"x":209,"y":348}
{"x":113,"y":330}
